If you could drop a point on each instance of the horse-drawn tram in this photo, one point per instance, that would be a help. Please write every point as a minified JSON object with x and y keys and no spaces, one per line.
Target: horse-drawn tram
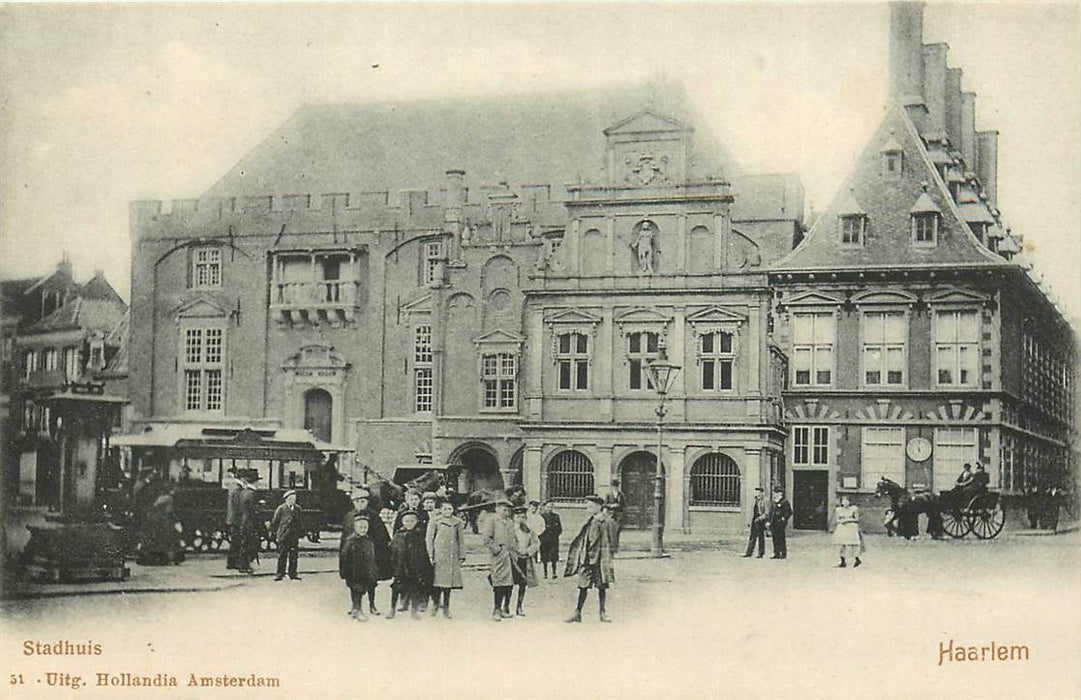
{"x":197,"y":464}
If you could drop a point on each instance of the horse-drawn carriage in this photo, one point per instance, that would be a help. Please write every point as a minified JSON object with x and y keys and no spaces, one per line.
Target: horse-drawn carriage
{"x":955,"y":512}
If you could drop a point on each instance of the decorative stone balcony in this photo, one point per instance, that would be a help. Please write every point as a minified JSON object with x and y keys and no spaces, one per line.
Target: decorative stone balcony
{"x":332,"y":302}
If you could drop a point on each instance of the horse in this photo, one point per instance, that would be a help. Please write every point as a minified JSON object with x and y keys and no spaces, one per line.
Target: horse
{"x":906,"y":506}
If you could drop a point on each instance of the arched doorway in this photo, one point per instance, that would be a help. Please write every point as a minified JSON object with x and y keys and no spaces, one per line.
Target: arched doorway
{"x":636,"y":482}
{"x":317,"y":413}
{"x":480,"y":470}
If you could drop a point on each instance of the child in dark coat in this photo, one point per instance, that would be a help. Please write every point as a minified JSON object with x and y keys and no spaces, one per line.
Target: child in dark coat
{"x":357,"y":565}
{"x":412,"y":568}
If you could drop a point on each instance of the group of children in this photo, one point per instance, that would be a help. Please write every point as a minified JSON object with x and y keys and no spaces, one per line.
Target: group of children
{"x":426,"y":553}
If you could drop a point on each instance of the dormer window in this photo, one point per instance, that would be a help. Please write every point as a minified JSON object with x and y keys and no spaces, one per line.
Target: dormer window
{"x":891,"y":164}
{"x":892,"y":159}
{"x":925,"y":219}
{"x":852,"y":229}
{"x":925,"y":229}
{"x":979,"y":230}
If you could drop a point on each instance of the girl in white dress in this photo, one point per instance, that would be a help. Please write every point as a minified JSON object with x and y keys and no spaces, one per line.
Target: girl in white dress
{"x":846,"y":534}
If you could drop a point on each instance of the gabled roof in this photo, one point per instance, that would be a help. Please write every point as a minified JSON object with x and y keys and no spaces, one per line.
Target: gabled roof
{"x":889,"y":203}
{"x":544,"y":138}
{"x":646,"y":120}
{"x":86,"y":314}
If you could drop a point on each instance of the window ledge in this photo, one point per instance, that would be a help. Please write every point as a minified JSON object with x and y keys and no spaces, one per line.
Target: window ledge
{"x":715,"y":509}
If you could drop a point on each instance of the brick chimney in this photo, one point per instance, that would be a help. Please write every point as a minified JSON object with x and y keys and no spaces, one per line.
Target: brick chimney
{"x":934,"y":90}
{"x":987,"y":164}
{"x":906,"y":57}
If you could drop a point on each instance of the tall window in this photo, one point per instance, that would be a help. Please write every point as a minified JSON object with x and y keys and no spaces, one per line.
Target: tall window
{"x":811,"y":445}
{"x":203,"y":361}
{"x":71,"y":364}
{"x":50,"y":359}
{"x":715,"y":481}
{"x":641,"y":350}
{"x":499,"y":375}
{"x":884,"y":348}
{"x":956,"y":347}
{"x":925,"y":228}
{"x":717,"y":359}
{"x":30,"y":363}
{"x":852,"y":228}
{"x":813,"y":336}
{"x":423,"y":384}
{"x":891,"y":164}
{"x":954,"y":447}
{"x":572,"y":357}
{"x":570,"y":475}
{"x":206,"y":267}
{"x":433,"y":253}
{"x":882,"y":453}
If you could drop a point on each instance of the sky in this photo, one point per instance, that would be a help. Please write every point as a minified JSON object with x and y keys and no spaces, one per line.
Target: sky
{"x":104,"y":104}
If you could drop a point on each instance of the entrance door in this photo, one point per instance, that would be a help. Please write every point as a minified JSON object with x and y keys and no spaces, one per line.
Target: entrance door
{"x":480,"y":471}
{"x":317,"y":408}
{"x":810,"y":497}
{"x":637,"y":471}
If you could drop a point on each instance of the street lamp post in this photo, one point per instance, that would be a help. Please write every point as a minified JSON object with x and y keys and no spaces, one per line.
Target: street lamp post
{"x":662,"y":374}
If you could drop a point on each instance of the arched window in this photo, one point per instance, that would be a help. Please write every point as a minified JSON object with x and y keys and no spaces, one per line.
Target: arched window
{"x":715,"y":481}
{"x":570,"y":475}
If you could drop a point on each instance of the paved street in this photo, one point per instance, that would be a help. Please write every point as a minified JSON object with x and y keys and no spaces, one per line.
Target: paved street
{"x":698,"y":624}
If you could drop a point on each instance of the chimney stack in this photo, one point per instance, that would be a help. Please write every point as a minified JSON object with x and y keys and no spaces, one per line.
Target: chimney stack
{"x":64,"y":266}
{"x":906,"y":54}
{"x":934,"y":90}
{"x":987,"y":165}
{"x":953,"y":106}
{"x":968,"y":130}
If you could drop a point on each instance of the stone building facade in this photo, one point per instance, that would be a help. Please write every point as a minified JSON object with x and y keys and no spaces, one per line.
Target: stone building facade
{"x":501,"y":329}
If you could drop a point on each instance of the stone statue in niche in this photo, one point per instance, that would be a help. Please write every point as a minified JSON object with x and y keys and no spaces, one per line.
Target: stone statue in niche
{"x":467,"y":233}
{"x":643,"y":246}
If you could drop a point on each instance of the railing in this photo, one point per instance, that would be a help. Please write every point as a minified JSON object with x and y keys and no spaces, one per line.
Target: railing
{"x":332,"y":293}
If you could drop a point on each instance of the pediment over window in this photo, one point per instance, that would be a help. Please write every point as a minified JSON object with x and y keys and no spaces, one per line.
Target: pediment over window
{"x":956,"y":296}
{"x":642,"y":315}
{"x":646,"y":121}
{"x":423,"y":305}
{"x":316,"y":357}
{"x":814,"y":299}
{"x":572,"y":316}
{"x":714,"y":319}
{"x":498,"y":339}
{"x":885,"y":297}
{"x":200,"y":307}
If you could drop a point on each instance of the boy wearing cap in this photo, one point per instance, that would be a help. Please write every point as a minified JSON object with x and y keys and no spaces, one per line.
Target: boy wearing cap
{"x":287,"y":528}
{"x":427,"y":511}
{"x":501,"y":542}
{"x":526,"y":547}
{"x":377,"y":533}
{"x":549,"y":539}
{"x":590,"y":558}
{"x":446,"y":550}
{"x":357,"y":566}
{"x":412,"y":569}
{"x":536,"y":523}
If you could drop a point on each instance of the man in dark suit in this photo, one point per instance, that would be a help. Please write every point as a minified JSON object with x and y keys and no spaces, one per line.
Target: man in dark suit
{"x":759,"y":518}
{"x":247,"y":535}
{"x":779,"y":514}
{"x":287,"y":528}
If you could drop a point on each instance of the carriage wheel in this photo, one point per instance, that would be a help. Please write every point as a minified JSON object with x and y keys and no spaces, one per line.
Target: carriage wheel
{"x":198,"y":541}
{"x":216,"y":541}
{"x":955,"y":524}
{"x":986,"y":523}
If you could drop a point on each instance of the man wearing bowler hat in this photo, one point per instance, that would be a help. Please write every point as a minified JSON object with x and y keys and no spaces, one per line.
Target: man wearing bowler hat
{"x":287,"y":527}
{"x":759,"y":518}
{"x":779,"y":513}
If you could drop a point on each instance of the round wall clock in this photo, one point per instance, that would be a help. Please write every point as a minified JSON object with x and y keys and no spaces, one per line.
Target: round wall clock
{"x":919,"y":449}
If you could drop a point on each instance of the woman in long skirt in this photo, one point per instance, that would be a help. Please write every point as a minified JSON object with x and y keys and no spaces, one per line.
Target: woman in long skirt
{"x":846,"y":534}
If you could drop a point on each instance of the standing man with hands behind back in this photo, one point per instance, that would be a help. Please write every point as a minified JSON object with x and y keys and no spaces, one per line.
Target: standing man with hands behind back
{"x":779,"y":514}
{"x":287,"y":530}
{"x":759,"y":518}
